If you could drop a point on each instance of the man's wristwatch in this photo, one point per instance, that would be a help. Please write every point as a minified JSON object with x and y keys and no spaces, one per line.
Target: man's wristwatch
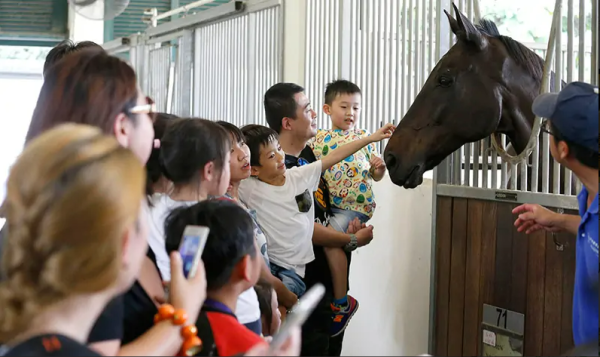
{"x":350,"y":247}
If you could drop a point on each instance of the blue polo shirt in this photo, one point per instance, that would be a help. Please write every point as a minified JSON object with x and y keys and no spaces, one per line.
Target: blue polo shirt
{"x":585,"y":295}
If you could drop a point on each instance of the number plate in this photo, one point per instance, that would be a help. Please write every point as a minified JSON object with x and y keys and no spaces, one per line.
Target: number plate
{"x":504,"y":319}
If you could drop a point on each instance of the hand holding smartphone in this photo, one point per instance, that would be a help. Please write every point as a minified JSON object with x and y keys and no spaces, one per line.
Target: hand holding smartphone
{"x":299,"y":314}
{"x":191,"y":248}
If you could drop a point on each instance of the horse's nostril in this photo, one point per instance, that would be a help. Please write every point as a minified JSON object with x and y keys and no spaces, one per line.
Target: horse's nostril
{"x":390,"y":160}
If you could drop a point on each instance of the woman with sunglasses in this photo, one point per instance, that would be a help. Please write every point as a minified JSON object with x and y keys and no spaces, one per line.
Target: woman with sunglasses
{"x":94,"y":88}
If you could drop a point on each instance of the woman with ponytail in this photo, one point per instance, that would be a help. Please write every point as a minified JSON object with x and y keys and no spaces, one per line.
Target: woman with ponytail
{"x":75,"y":239}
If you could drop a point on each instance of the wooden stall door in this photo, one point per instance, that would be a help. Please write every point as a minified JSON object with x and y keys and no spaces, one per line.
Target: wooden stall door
{"x":482,"y":259}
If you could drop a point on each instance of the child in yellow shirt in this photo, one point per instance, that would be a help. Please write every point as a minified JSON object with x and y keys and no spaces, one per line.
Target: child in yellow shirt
{"x":350,"y":181}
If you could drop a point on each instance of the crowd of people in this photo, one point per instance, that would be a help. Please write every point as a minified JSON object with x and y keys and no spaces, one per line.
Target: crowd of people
{"x":99,"y":198}
{"x":98,"y":201}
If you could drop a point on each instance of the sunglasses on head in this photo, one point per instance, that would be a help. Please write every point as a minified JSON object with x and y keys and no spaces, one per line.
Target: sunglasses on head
{"x":148,"y":108}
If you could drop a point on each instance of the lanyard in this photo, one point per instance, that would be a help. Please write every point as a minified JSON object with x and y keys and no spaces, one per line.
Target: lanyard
{"x":213,"y":304}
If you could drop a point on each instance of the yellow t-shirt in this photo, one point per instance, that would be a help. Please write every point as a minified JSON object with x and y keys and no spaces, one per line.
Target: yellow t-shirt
{"x":350,"y":182}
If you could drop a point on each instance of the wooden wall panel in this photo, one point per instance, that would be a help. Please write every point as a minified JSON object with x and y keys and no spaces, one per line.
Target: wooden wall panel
{"x":442,"y":288}
{"x":552,"y":298}
{"x":536,"y":272}
{"x":520,"y":250}
{"x":488,"y":261}
{"x":472,"y":320}
{"x":568,"y":274}
{"x":482,"y":259}
{"x":504,"y":230}
{"x":458,"y":254}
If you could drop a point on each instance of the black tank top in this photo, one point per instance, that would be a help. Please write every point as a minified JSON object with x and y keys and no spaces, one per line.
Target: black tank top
{"x":139,"y":309}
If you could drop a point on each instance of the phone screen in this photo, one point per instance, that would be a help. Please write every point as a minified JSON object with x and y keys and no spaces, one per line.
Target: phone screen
{"x":188,"y":250}
{"x":191,"y":248}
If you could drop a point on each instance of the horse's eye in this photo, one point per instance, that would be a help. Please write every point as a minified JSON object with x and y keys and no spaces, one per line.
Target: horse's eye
{"x":445,"y":81}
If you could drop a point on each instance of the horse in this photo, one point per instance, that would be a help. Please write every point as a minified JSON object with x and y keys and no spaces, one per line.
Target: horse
{"x":484,"y":85}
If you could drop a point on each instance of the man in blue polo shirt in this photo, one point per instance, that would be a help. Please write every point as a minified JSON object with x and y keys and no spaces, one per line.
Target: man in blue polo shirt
{"x":572,"y":123}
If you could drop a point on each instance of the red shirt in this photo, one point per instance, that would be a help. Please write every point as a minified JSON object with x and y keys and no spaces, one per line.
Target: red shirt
{"x":221,"y":333}
{"x":231,"y":337}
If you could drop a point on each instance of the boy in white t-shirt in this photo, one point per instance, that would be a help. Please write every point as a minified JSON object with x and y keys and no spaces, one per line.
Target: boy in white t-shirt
{"x":283,"y":201}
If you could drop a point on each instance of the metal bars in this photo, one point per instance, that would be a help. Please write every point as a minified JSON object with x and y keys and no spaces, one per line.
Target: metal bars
{"x":237,"y":60}
{"x":182,"y":105}
{"x":323,"y":50}
{"x":158,"y":82}
{"x":391,"y":51}
{"x":217,"y":68}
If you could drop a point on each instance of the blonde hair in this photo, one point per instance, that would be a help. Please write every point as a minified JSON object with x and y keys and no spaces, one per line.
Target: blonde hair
{"x":71,"y":196}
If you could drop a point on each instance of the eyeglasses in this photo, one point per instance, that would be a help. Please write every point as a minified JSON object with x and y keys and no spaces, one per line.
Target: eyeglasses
{"x":148,"y":108}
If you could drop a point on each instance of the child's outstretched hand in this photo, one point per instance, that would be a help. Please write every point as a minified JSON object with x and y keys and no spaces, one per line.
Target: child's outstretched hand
{"x":384,"y":132}
{"x":377,"y":168}
{"x":378,"y":165}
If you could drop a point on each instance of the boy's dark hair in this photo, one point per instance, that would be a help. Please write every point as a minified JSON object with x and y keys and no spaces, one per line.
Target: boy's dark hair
{"x":63,"y":49}
{"x":188,"y":145}
{"x":339,"y":87}
{"x":584,"y":155}
{"x":161,"y":121}
{"x":280,"y":103}
{"x":231,"y":236}
{"x":232,"y":130}
{"x":257,"y":136}
{"x":264,"y":292}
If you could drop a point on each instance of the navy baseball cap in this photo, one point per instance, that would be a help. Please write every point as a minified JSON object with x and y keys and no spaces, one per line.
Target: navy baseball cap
{"x":573,"y":111}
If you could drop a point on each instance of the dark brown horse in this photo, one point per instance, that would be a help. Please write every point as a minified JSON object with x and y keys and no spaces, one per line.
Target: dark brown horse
{"x":485,"y":84}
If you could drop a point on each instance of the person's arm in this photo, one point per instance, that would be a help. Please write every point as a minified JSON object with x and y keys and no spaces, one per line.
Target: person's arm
{"x":342,"y":152}
{"x":533,"y":217}
{"x":329,"y":237}
{"x":284,"y":295}
{"x":569,"y":222}
{"x":164,"y":339}
{"x":106,"y":348}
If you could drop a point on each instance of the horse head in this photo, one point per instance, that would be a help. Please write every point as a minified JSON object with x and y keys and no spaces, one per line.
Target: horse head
{"x":484,"y":84}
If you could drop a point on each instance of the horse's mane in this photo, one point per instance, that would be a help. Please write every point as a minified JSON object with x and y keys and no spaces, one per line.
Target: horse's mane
{"x":522,"y":55}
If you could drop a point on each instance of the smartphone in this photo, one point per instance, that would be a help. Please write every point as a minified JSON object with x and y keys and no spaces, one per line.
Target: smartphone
{"x":301,"y":311}
{"x":191,"y":247}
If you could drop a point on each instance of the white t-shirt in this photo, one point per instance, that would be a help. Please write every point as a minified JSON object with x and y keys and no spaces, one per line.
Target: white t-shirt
{"x":286,"y":214}
{"x":247,"y":310}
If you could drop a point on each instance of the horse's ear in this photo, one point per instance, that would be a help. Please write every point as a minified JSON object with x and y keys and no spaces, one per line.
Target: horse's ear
{"x":453,"y":23}
{"x":464,"y":29}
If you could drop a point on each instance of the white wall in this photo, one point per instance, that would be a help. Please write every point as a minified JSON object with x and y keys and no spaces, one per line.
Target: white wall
{"x":390,"y":277}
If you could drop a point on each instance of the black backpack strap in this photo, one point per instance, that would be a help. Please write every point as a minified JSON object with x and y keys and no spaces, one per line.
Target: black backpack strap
{"x":205,"y":333}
